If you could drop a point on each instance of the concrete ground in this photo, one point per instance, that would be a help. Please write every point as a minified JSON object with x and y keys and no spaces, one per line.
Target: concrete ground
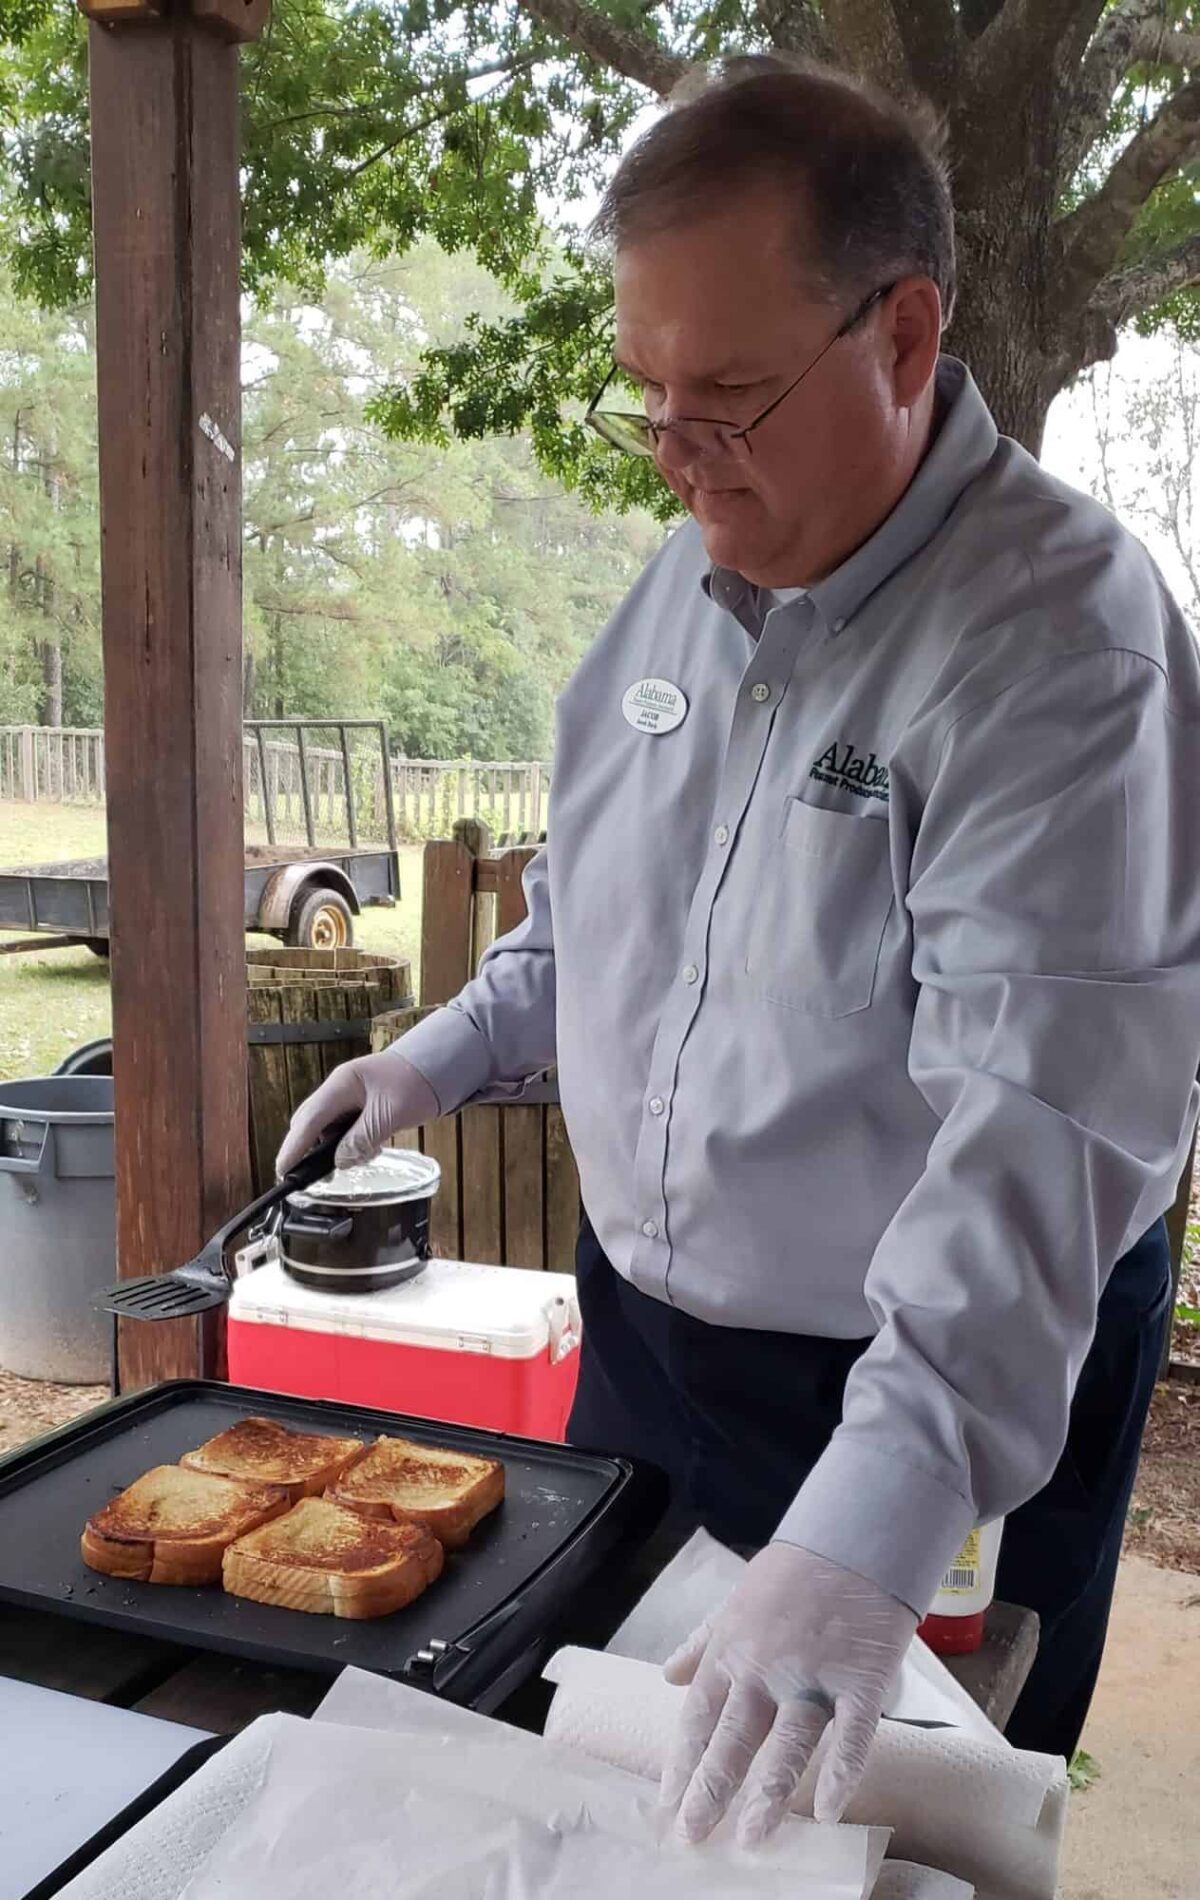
{"x":1135,"y":1833}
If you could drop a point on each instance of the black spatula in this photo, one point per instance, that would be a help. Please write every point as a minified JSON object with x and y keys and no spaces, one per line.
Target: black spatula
{"x":205,"y":1282}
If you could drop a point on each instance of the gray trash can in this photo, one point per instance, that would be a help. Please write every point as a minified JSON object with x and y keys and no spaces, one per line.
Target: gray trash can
{"x":58,"y":1226}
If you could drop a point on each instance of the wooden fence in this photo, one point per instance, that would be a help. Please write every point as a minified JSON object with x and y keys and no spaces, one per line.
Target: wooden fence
{"x":510,"y":1188}
{"x":62,"y":765}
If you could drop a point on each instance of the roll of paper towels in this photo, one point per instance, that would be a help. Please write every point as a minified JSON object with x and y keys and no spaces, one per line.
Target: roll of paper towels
{"x":990,"y":1816}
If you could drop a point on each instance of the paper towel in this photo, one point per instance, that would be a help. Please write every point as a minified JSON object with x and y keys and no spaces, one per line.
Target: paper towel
{"x":992,"y":1816}
{"x":480,"y":1810}
{"x":901,"y":1880}
{"x":156,"y":1858}
{"x":331,"y":1805}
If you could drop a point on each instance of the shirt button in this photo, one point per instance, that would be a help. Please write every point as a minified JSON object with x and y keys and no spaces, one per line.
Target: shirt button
{"x":657,"y":1105}
{"x":690,"y":973}
{"x":721,"y":834}
{"x":761,"y":693}
{"x":650,"y":1229}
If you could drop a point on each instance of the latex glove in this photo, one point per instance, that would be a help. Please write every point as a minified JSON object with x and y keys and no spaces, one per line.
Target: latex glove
{"x":799,"y":1642}
{"x":386,"y":1090}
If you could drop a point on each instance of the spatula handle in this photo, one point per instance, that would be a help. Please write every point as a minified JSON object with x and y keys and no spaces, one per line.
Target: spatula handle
{"x":313,"y":1166}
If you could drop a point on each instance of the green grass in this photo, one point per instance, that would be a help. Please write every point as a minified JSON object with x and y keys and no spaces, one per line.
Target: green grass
{"x":52,"y":1000}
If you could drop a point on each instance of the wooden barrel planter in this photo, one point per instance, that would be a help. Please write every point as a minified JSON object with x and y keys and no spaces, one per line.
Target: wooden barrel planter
{"x":306,"y":1012}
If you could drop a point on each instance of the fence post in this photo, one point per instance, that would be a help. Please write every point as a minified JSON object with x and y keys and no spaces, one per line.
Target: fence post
{"x":448,"y":912}
{"x":28,"y":780}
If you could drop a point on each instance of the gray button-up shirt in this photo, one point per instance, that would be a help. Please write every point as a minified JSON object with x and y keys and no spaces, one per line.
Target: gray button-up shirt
{"x":874,"y":981}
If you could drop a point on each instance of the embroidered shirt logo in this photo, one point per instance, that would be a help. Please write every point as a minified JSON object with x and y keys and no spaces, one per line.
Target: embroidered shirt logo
{"x":842,"y":766}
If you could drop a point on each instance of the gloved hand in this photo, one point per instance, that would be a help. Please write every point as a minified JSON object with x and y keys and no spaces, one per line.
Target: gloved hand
{"x":386,"y":1090}
{"x":798,"y":1643}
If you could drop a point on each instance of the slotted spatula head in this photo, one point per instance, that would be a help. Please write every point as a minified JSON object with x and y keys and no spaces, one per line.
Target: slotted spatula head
{"x":201,"y":1284}
{"x":204,"y":1282}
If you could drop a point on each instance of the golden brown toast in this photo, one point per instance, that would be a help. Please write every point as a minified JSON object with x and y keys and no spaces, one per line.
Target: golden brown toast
{"x":262,"y":1451}
{"x":330,"y":1561}
{"x":174,"y":1526}
{"x":449,"y":1491}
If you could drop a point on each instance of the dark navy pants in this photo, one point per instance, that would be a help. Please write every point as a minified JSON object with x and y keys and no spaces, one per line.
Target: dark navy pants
{"x":737,"y":1419}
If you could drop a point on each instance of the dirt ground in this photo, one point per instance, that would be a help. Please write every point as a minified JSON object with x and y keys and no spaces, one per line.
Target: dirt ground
{"x":1164,"y":1519}
{"x":1132,"y":1834}
{"x":29,"y":1407}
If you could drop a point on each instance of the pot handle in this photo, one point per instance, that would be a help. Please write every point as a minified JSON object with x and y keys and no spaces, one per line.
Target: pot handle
{"x":313,"y":1226}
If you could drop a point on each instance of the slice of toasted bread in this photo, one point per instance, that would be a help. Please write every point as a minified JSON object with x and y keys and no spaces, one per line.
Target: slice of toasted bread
{"x":329,"y":1561}
{"x":449,"y":1491}
{"x":262,"y":1451}
{"x":174,"y":1526}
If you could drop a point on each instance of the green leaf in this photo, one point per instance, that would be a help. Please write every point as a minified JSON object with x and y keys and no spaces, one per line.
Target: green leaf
{"x":1082,"y":1771}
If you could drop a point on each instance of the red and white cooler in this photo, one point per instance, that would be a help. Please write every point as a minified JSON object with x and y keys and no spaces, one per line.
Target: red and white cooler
{"x":478,"y":1345}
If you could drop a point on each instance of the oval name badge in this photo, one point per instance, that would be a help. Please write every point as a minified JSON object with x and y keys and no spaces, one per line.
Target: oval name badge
{"x":654,"y":706}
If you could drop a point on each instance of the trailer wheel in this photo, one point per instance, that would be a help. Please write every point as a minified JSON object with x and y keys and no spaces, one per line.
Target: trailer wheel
{"x":321,"y":920}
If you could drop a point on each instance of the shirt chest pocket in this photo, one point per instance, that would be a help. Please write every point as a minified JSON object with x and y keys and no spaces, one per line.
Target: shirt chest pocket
{"x":822,"y":907}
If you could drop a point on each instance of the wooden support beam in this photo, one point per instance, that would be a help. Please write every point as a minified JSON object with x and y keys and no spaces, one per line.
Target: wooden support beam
{"x":165,"y":152}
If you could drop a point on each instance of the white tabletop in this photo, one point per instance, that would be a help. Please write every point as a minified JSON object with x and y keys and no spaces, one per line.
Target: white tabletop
{"x":67,"y":1766}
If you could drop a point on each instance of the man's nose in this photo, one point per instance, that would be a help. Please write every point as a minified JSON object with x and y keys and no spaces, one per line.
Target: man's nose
{"x":679,"y":449}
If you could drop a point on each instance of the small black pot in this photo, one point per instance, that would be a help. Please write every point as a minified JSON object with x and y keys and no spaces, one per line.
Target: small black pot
{"x":361,"y":1230}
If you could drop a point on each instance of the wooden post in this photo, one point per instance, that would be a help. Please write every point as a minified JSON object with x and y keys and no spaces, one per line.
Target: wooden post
{"x":165,"y":153}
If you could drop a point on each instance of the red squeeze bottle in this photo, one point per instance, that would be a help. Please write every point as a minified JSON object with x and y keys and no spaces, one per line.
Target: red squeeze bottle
{"x":955,"y":1623}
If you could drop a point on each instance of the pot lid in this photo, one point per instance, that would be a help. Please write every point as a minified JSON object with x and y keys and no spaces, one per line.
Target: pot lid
{"x":398,"y":1174}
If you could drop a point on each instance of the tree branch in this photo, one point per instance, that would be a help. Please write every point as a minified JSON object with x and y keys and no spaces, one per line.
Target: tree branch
{"x":1027,"y":35}
{"x":868,"y":40}
{"x":1092,"y":236}
{"x":932,"y":42}
{"x":1126,"y":293}
{"x":793,"y":27}
{"x":1176,"y":48}
{"x":976,"y":16}
{"x":1108,"y":58}
{"x":630,"y":53}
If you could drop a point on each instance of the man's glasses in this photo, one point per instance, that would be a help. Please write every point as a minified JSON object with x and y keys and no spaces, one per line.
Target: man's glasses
{"x":638,"y":435}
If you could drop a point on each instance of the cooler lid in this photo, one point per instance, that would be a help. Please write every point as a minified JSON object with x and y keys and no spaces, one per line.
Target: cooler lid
{"x":454,"y":1305}
{"x":396,"y":1174}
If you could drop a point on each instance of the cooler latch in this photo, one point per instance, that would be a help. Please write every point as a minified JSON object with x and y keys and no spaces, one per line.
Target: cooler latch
{"x":261,"y":1250}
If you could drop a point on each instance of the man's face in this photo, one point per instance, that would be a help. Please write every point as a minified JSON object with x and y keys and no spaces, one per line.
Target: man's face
{"x":715,"y":320}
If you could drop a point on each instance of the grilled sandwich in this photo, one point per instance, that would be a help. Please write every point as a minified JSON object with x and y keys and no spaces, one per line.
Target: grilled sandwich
{"x":332,"y":1562}
{"x":447,"y":1491}
{"x":262,"y":1451}
{"x":173,"y":1525}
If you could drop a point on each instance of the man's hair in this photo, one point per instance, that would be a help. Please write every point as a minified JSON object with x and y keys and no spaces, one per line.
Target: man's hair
{"x":867,"y":175}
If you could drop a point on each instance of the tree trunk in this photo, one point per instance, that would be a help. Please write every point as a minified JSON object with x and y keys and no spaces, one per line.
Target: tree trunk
{"x":1007,"y":325}
{"x":52,"y":683}
{"x":994,"y":334}
{"x":277,"y":663}
{"x":49,"y":651}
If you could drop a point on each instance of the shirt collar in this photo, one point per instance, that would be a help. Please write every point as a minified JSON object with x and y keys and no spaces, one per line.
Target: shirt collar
{"x":964,"y":446}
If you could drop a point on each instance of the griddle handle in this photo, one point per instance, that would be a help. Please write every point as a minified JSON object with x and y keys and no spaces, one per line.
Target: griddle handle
{"x":436,"y":1666}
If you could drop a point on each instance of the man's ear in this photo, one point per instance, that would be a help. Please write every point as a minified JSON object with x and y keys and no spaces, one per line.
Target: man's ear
{"x":913,"y":313}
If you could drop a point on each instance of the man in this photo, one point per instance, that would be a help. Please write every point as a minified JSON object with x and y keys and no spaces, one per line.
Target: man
{"x":867,"y":943}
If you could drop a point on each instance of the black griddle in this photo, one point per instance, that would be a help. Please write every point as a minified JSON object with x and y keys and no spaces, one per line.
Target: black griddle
{"x":483,"y":1627}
